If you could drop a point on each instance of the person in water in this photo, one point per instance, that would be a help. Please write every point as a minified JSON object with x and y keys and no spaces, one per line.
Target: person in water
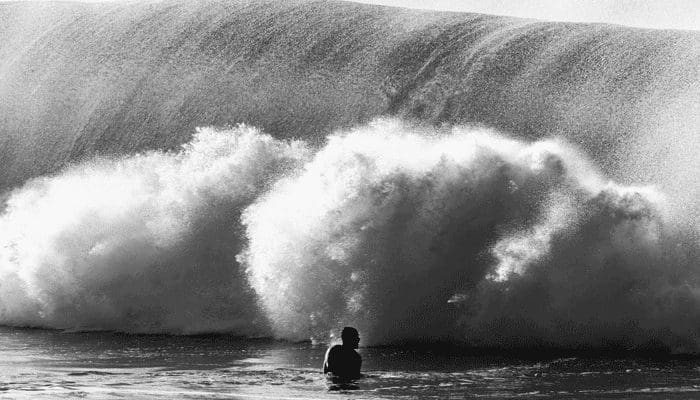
{"x":342,"y":361}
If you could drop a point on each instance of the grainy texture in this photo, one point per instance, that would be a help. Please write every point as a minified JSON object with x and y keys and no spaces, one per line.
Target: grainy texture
{"x":78,"y":80}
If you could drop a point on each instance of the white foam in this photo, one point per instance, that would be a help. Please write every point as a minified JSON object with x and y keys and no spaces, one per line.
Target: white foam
{"x":406,"y":233}
{"x":468,"y":236}
{"x":145,"y":243}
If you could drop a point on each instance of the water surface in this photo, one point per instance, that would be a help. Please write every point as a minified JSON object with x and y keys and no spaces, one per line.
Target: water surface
{"x":51,"y":364}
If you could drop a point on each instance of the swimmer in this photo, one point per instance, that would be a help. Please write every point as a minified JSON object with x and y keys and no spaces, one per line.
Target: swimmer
{"x":342,"y":361}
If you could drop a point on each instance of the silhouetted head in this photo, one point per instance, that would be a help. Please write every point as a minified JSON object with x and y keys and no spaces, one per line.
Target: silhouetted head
{"x":350,"y":337}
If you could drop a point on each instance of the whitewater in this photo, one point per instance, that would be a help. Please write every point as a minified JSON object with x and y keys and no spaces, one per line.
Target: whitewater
{"x":409,"y":233}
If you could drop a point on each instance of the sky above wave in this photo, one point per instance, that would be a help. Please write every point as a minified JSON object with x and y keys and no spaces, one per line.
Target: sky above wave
{"x":658,"y":14}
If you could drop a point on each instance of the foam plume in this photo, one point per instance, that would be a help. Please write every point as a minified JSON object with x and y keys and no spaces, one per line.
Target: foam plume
{"x":469,"y":236}
{"x":407,"y":233}
{"x":142,"y":244}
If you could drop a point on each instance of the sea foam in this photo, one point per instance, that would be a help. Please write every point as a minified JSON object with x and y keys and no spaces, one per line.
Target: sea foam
{"x":473,"y":237}
{"x":406,"y":232}
{"x":140,"y":244}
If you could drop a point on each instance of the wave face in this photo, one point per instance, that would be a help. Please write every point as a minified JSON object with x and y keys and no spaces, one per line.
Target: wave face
{"x":84,"y":79}
{"x":422,"y":175}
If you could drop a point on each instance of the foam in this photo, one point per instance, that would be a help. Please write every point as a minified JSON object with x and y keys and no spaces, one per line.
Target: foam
{"x":140,"y":244}
{"x":406,"y":232}
{"x":469,"y":236}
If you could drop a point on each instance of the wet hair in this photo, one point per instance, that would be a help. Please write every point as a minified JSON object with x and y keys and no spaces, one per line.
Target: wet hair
{"x":349,"y":333}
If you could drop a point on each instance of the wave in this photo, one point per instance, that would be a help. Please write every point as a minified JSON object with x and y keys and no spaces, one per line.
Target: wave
{"x":407,"y":232}
{"x":80,"y":80}
{"x":370,"y":192}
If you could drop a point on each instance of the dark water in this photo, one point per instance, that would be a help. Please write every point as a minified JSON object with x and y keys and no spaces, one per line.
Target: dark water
{"x":50,"y":364}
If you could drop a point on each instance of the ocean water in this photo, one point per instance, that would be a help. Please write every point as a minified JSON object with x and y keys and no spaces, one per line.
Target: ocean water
{"x":49,"y":364}
{"x":222,"y":183}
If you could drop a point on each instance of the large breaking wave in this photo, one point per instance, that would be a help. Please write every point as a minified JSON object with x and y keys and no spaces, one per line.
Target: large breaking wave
{"x":572,"y":223}
{"x":407,"y":232}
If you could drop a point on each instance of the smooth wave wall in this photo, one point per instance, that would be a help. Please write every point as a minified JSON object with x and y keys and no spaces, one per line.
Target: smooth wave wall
{"x":79,"y":79}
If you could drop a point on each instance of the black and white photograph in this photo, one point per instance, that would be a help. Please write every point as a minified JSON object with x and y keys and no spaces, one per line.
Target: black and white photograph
{"x":349,"y":199}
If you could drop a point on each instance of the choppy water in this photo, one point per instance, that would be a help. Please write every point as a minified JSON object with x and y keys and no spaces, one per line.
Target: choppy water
{"x":50,"y":364}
